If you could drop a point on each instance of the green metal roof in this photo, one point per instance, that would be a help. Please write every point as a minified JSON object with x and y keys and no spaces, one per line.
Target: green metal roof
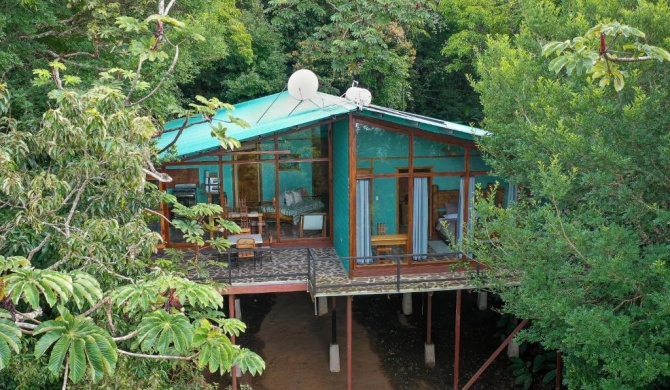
{"x":265,"y":116}
{"x":280,"y":112}
{"x":433,"y":125}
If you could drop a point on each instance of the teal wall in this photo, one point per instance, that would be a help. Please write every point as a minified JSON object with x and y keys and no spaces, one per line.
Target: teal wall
{"x":341,"y":228}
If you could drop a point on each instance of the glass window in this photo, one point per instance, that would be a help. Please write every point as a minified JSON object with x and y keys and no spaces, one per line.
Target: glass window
{"x":439,"y":156}
{"x":381,"y":151}
{"x":307,"y":143}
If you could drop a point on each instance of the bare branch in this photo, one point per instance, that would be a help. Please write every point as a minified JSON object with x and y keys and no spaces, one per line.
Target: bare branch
{"x":180,"y":131}
{"x":75,"y":203}
{"x":167,"y":9}
{"x":25,"y":325}
{"x":39,"y":247}
{"x":126,"y":337}
{"x":67,"y":369}
{"x":96,"y":306}
{"x":126,"y":101}
{"x":56,"y":76}
{"x":627,"y":59}
{"x":162,"y":177}
{"x":168,"y":357}
{"x":162,"y":80}
{"x":158,"y":214}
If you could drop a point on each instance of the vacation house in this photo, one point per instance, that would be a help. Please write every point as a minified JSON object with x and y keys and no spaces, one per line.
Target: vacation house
{"x":340,"y":197}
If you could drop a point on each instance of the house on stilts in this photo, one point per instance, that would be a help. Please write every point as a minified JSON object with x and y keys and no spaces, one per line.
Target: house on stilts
{"x":341,"y":197}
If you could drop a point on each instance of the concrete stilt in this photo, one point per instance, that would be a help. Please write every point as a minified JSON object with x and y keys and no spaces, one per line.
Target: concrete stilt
{"x":482,"y":300}
{"x":407,"y":304}
{"x":334,"y":358}
{"x":238,"y":309}
{"x":322,"y":306}
{"x":429,"y":354}
{"x":513,"y":349}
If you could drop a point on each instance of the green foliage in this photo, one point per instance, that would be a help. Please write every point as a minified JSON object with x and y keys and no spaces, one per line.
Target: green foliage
{"x":161,"y":331}
{"x":580,"y":54}
{"x":10,"y":339}
{"x":343,"y":41}
{"x":586,"y":243}
{"x":86,"y":346}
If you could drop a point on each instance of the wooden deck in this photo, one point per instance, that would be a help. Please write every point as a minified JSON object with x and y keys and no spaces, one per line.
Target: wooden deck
{"x":320,"y":272}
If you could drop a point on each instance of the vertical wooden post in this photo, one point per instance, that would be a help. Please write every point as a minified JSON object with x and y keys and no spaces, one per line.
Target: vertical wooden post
{"x":559,"y":370}
{"x":231,"y":314}
{"x":349,"y":342}
{"x":457,"y":336}
{"x":429,"y":318}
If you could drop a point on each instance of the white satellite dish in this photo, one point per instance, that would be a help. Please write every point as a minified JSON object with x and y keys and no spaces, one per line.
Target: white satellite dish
{"x":360,"y":96}
{"x":303,"y":84}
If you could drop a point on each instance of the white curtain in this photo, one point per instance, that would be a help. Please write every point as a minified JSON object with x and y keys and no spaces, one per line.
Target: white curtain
{"x":420,"y":218}
{"x":512,"y":194}
{"x":363,"y":247}
{"x":461,"y":211}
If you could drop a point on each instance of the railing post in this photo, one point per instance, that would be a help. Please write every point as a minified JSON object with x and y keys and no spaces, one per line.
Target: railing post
{"x":397,"y":280}
{"x":230,"y":270}
{"x":309,"y":269}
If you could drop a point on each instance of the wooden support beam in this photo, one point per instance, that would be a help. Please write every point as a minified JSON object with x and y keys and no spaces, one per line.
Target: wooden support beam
{"x":495,"y":355}
{"x":349,"y":342}
{"x":429,"y":318}
{"x":457,"y":338}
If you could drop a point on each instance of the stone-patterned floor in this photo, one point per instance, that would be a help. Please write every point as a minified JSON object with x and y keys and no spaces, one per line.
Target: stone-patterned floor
{"x":287,"y":266}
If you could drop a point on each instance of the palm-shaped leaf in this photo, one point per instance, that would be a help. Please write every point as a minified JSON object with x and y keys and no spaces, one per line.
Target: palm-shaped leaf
{"x":216,"y":351}
{"x":160,"y":331}
{"x":84,"y":344}
{"x":85,"y":288}
{"x":250,"y":361}
{"x":136,"y":297}
{"x":10,"y":338}
{"x":28,"y":283}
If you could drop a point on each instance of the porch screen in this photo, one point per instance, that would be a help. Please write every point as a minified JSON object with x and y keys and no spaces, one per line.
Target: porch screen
{"x":420,"y":218}
{"x":363,"y":245}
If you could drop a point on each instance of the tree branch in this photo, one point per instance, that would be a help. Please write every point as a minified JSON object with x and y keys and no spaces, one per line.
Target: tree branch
{"x":158,"y":214}
{"x":168,"y":357}
{"x":126,"y":101}
{"x":39,"y":247}
{"x":162,"y":80}
{"x":126,"y":337}
{"x":75,"y":203}
{"x":67,"y":369}
{"x":627,"y":59}
{"x":96,"y":307}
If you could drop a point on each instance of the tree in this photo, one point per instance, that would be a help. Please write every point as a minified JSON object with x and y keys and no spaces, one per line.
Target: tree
{"x":586,"y":244}
{"x":81,"y":288}
{"x":341,"y":41}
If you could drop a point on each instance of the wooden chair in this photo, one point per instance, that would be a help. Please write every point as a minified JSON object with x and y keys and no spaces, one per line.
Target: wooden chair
{"x":383,"y":249}
{"x":246,"y":249}
{"x":244,"y":220}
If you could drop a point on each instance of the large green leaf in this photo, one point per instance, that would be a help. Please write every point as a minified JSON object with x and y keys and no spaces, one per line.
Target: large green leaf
{"x":161,"y":330}
{"x":27,"y":283}
{"x":85,"y":289}
{"x":10,"y":339}
{"x":84,"y":344}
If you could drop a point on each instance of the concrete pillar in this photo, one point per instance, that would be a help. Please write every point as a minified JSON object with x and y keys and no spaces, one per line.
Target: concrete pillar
{"x":407,"y":304}
{"x":482,"y":300}
{"x":334,"y":358}
{"x":322,"y":306}
{"x":429,"y":354}
{"x":513,"y":348}
{"x":238,"y":309}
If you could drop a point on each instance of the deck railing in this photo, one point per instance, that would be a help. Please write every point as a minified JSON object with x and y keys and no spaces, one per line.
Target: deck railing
{"x":457,"y":261}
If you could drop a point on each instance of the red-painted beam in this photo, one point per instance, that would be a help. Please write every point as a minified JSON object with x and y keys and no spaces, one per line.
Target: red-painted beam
{"x":349,"y":342}
{"x":495,"y":355}
{"x":457,"y":338}
{"x":231,"y":314}
{"x":266,"y":288}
